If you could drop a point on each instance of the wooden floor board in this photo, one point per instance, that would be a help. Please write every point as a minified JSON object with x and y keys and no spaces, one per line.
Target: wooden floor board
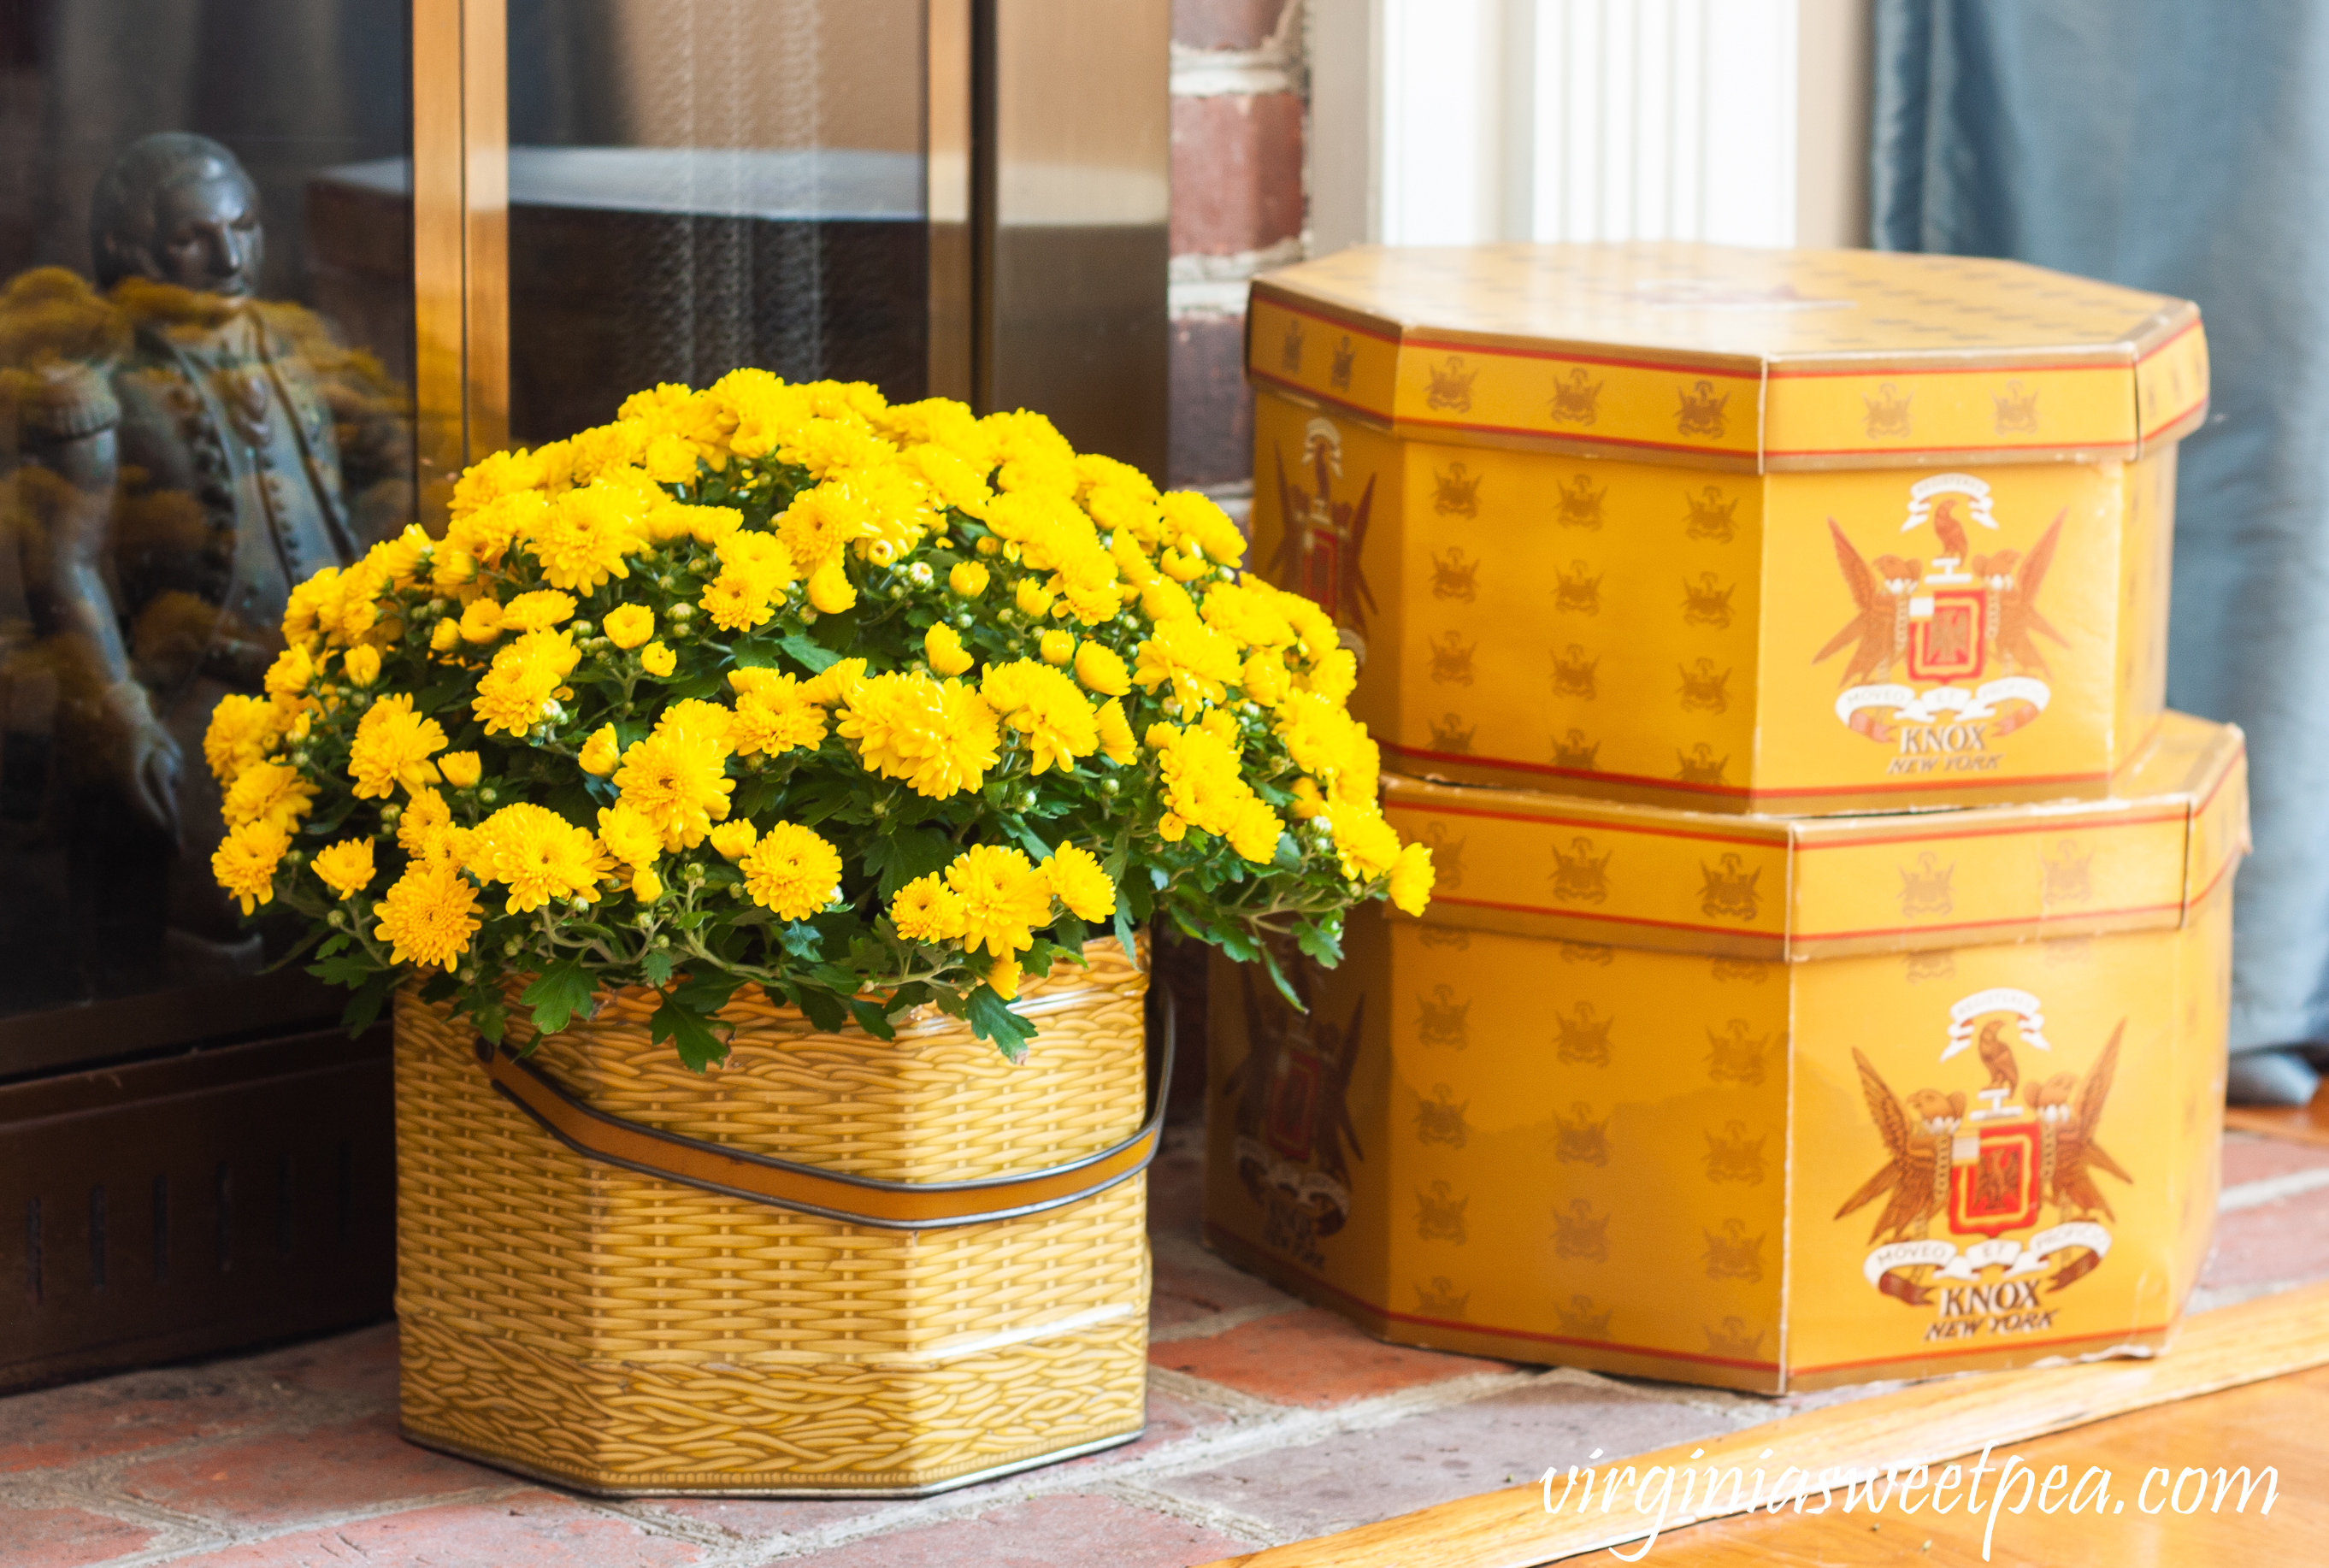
{"x":2296,"y":1123}
{"x":1928,"y":1422}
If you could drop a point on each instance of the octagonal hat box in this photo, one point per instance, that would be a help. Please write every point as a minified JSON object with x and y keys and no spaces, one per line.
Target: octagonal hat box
{"x":1760,"y":1103}
{"x":1783,"y":532}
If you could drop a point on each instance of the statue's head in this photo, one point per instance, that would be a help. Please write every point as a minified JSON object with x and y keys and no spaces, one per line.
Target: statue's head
{"x":177,"y":208}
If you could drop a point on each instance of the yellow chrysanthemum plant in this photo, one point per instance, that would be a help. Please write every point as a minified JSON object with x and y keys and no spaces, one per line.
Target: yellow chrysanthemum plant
{"x":778,"y":685}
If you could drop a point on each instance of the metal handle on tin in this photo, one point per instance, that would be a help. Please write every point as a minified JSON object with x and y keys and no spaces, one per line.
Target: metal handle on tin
{"x":831,"y":1194}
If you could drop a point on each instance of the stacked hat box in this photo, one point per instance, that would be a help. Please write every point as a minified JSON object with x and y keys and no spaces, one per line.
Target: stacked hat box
{"x":1829,"y":968}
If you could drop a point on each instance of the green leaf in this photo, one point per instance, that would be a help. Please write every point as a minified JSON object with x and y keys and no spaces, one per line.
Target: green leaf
{"x":1289,"y":854}
{"x":563,"y":990}
{"x":351,"y":970}
{"x":706,"y":994}
{"x":1072,"y":934}
{"x":816,"y":656}
{"x":897,"y":858}
{"x":690,"y":1031}
{"x":1318,"y":943}
{"x":992,"y":1019}
{"x":333,"y":944}
{"x":655,"y":965}
{"x":1029,"y":837}
{"x":1278,"y":977}
{"x":802,"y":940}
{"x":870,"y":1019}
{"x":363,"y":1007}
{"x":823,"y":1008}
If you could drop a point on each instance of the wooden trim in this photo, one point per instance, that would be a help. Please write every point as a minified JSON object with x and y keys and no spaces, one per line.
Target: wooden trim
{"x":1925,"y":1423}
{"x":438,"y":326}
{"x":485,"y":148}
{"x":460,"y":238}
{"x":2295,"y":1123}
{"x":946,"y":154}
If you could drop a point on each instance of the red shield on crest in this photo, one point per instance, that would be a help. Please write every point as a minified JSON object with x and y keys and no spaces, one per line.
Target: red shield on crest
{"x":1994,"y":1178}
{"x":1946,"y":645}
{"x":1293,"y":1099}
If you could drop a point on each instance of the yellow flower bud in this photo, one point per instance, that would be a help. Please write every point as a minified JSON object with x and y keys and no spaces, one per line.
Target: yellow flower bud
{"x":944,"y":651}
{"x":1181,"y":568}
{"x":1058,"y":647}
{"x":446,"y":637}
{"x":658,"y":660}
{"x":829,"y":589}
{"x":361,"y":664}
{"x":600,"y":753}
{"x":645,"y":886}
{"x":989,"y":546}
{"x":968,"y":579}
{"x":1100,"y":668}
{"x":734,"y":839}
{"x":1035,"y":599}
{"x":461,"y":768}
{"x":630,"y":625}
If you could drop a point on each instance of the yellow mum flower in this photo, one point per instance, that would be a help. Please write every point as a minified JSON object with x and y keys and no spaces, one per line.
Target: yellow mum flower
{"x":461,"y":768}
{"x":1366,"y":841}
{"x":791,"y":870}
{"x":1004,"y":899}
{"x":392,"y":746}
{"x":756,"y":570}
{"x":630,"y":625}
{"x":482,"y":621}
{"x":1199,"y":522}
{"x":732,"y":840}
{"x":538,"y":611}
{"x":944,"y":651}
{"x":244,"y":863}
{"x":1264,"y":677}
{"x":445,"y":636}
{"x":830,"y":589}
{"x":628,"y":835}
{"x":600,"y":753}
{"x":658,"y":660}
{"x":1100,"y":668}
{"x":345,"y":867}
{"x":1116,"y":734}
{"x":1205,"y":791}
{"x":1254,"y":830}
{"x":1046,"y":707}
{"x":1057,"y":647}
{"x":1034,"y":600}
{"x":939,"y":736}
{"x":819,"y":524}
{"x":926,"y":910}
{"x":241,"y":728}
{"x":1248,"y":613}
{"x":361,"y":664}
{"x":706,"y":721}
{"x":289,"y":675}
{"x":537,"y":854}
{"x":676,"y":779}
{"x":582,"y":537}
{"x":1333,"y":676}
{"x":1003,"y":977}
{"x":1079,"y":882}
{"x":526,"y":676}
{"x":773,"y":713}
{"x":1198,"y":661}
{"x":1411,"y":877}
{"x":425,"y":816}
{"x":839,"y":683}
{"x":429,"y":916}
{"x":270,"y":793}
{"x":968,"y":579}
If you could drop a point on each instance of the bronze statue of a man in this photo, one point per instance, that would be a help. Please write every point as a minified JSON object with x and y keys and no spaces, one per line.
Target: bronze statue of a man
{"x":206,"y":476}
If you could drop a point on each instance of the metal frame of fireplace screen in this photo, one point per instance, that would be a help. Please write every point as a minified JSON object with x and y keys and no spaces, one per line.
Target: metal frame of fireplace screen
{"x":485,"y":223}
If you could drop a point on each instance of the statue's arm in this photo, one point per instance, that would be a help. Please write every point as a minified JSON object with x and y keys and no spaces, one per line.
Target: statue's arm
{"x":67,"y":485}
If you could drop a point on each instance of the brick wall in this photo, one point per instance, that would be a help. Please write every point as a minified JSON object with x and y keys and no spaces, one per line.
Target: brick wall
{"x":1241,"y":98}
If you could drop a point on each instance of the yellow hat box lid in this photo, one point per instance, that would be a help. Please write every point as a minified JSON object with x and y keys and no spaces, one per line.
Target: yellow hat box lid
{"x":1731,"y":358}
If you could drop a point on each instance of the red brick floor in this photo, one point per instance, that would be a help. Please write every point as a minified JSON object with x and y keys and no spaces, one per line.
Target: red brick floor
{"x":1269,"y":1421}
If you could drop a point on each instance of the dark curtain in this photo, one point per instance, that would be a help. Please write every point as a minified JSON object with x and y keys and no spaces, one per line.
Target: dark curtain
{"x":2182,"y":149}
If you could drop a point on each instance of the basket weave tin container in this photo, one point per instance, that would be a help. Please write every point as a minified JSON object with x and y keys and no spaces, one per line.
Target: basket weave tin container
{"x":573,"y":1317}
